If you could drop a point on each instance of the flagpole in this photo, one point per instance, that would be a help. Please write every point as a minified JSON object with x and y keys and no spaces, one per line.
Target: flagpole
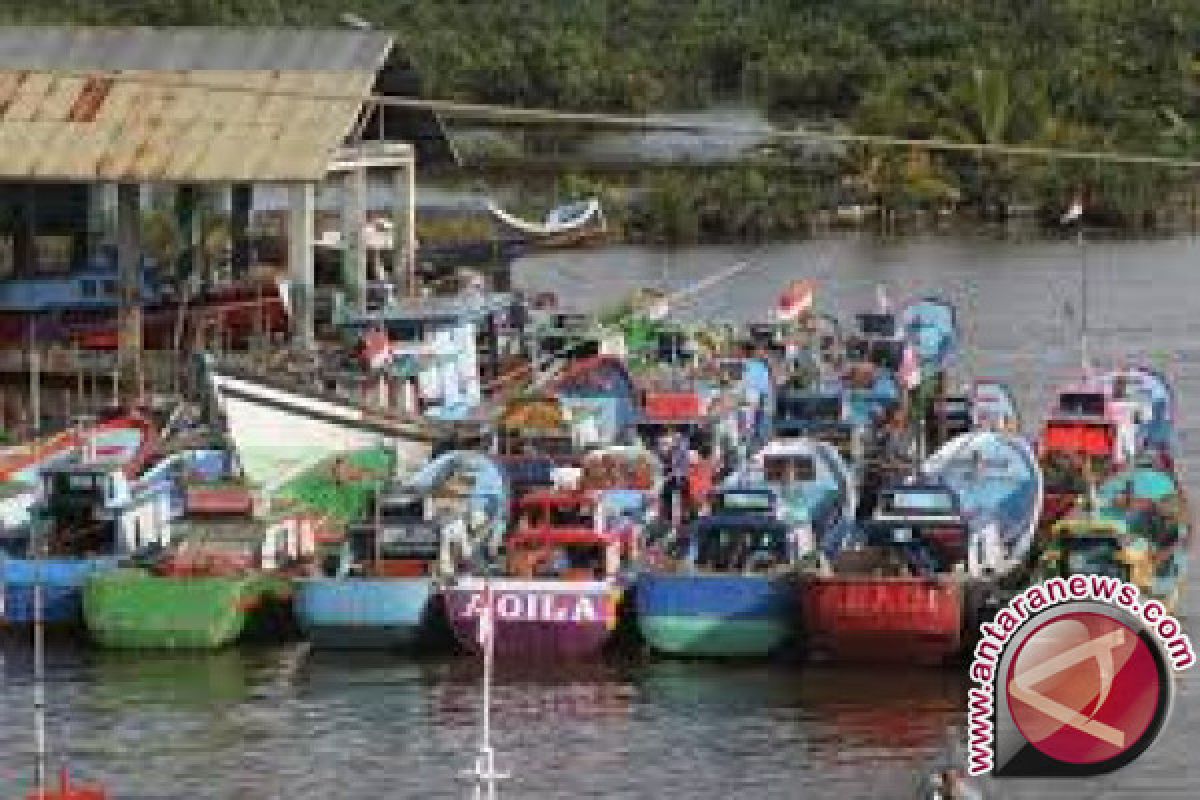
{"x":1083,"y":299}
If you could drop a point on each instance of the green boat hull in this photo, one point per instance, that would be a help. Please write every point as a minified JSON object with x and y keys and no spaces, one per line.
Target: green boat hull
{"x":134,"y":610}
{"x":713,"y":637}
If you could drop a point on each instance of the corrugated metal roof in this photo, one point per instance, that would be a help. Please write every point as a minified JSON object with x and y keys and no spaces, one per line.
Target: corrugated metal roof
{"x":187,"y":105}
{"x":170,"y":49}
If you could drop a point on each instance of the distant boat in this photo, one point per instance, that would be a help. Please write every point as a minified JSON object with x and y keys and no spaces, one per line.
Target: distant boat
{"x":567,"y":225}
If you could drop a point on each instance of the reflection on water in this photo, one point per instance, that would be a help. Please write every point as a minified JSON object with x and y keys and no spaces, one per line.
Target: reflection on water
{"x":290,"y":723}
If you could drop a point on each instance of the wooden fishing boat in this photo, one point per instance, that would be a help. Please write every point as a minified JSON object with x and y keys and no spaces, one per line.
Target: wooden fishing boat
{"x":1000,"y":485}
{"x":559,"y":597}
{"x":96,"y":510}
{"x":1136,"y":529}
{"x":1080,"y":441}
{"x":387,"y":574}
{"x":896,"y":591}
{"x":224,"y":578}
{"x":731,"y":590}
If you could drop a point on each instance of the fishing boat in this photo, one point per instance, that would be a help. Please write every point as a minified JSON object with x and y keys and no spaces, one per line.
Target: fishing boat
{"x":1148,"y":394}
{"x":1136,"y":528}
{"x":537,"y":433}
{"x":416,"y":383}
{"x":895,"y":591}
{"x":564,"y":577}
{"x":731,"y":590}
{"x":999,"y":483}
{"x":569,"y":225}
{"x":993,"y":406}
{"x":386,"y":575}
{"x":930,"y":325}
{"x":823,"y":415}
{"x":99,"y":509}
{"x":1081,"y":441}
{"x":224,"y":579}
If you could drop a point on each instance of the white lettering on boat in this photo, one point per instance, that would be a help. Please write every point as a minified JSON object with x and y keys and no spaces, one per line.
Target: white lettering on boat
{"x":536,"y":607}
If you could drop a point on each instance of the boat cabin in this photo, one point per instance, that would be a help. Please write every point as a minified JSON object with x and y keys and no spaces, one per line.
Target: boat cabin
{"x":567,"y":510}
{"x":916,"y":529}
{"x":439,"y":350}
{"x":823,"y":416}
{"x":733,"y":500}
{"x":1082,"y":402}
{"x":739,"y":544}
{"x":96,"y":510}
{"x":877,"y":325}
{"x":235,"y":544}
{"x":562,"y":554}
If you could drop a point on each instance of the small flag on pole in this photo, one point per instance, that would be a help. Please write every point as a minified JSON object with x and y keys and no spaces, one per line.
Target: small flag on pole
{"x":881,"y":297}
{"x":910,"y":368}
{"x":1074,"y":213}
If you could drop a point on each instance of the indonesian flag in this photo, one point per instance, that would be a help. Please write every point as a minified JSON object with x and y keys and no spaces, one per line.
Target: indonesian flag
{"x":796,"y":299}
{"x":1074,"y":213}
{"x":910,"y":368}
{"x":881,"y":297}
{"x":376,"y":348}
{"x":486,"y":623}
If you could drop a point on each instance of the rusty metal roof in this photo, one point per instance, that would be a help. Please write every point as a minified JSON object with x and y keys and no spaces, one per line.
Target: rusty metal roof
{"x":180,"y":105}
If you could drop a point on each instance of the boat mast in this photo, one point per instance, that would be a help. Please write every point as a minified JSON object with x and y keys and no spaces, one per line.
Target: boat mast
{"x":1083,"y":299}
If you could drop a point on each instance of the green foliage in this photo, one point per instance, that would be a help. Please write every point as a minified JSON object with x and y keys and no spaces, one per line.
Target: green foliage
{"x":1081,"y":74}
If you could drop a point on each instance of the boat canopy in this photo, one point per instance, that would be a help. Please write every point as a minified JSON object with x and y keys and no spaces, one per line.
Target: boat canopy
{"x":931,"y":325}
{"x":999,"y":484}
{"x":737,"y":544}
{"x":1085,"y":437}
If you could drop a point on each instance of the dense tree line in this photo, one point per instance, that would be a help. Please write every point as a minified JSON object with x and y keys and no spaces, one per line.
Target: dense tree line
{"x":1081,"y":74}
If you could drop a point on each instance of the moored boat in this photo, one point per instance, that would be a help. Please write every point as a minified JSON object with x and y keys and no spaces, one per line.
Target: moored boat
{"x":387,"y":574}
{"x":897,"y":592}
{"x":1136,"y":528}
{"x":224,"y":579}
{"x":731,"y":590}
{"x":563,"y":581}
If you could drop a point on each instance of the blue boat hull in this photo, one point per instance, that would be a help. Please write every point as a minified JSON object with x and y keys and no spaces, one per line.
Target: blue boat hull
{"x":62,"y":589}
{"x":723,"y":616}
{"x":365,"y":613}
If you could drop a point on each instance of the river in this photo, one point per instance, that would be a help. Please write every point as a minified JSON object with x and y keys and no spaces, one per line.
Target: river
{"x":287,"y":723}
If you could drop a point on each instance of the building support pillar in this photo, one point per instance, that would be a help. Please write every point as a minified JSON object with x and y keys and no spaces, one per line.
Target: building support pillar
{"x":241,"y":201}
{"x":188,"y":223}
{"x":301,"y":223}
{"x":404,"y":226}
{"x":129,"y":268}
{"x":354,"y":252}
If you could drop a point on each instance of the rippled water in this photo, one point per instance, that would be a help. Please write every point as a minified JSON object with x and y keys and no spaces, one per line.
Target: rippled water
{"x":289,"y":723}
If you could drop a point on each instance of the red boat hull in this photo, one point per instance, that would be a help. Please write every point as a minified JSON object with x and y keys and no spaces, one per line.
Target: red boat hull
{"x":861,"y":618}
{"x":537,"y":620}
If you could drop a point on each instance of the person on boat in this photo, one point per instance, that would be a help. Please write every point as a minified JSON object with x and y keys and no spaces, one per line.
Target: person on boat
{"x":679,"y":462}
{"x":794,"y":512}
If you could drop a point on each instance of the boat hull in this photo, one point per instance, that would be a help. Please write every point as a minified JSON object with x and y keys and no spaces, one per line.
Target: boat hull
{"x":915,"y":620}
{"x":535,"y":619}
{"x":721,"y":616}
{"x":134,"y":610}
{"x":364,"y":613}
{"x":62,"y":584}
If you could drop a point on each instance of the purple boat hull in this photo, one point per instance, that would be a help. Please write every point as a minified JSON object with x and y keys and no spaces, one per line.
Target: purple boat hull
{"x":537,"y":619}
